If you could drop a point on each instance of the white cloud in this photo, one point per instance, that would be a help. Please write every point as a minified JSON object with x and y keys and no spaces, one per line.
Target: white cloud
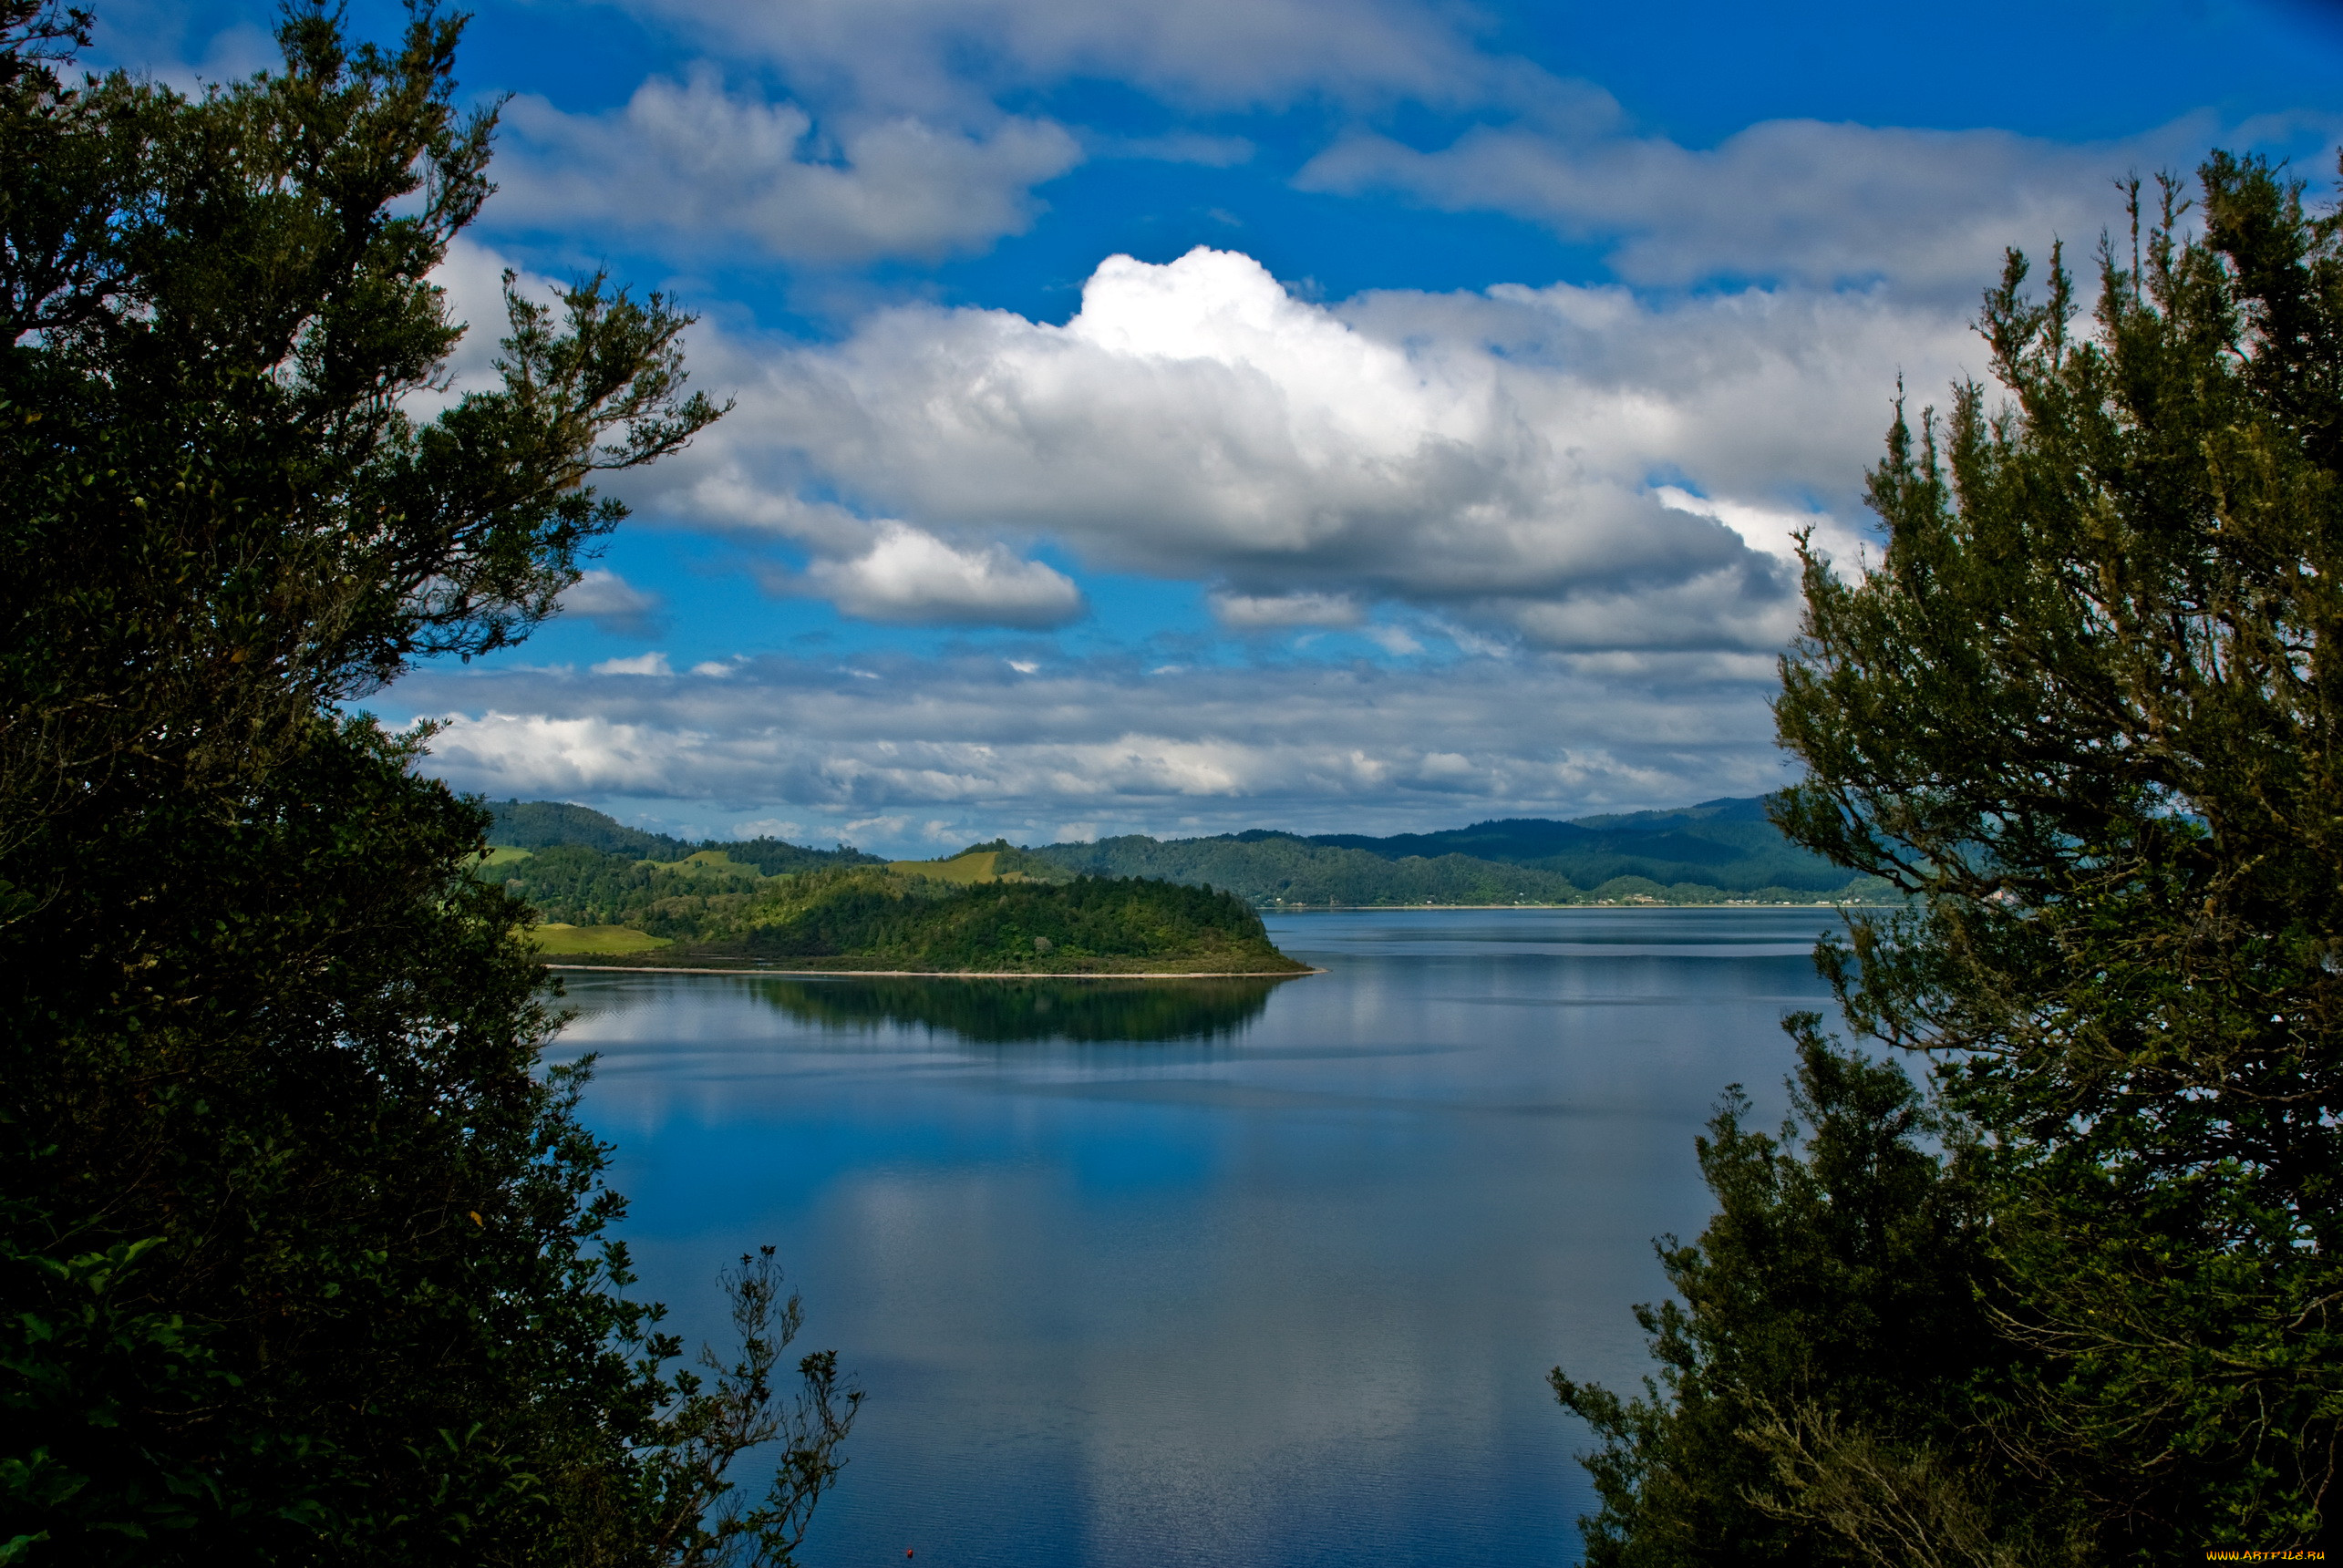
{"x":1496,"y":459}
{"x":1774,"y":530}
{"x":1393,"y":640}
{"x":911,"y":577}
{"x":938,"y":57}
{"x":613,"y":603}
{"x":962,"y":740}
{"x":471,"y":279}
{"x":1789,"y":200}
{"x":687,"y":164}
{"x":651,"y":663}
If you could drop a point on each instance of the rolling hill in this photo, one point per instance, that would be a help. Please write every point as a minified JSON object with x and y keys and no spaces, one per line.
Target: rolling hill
{"x":584,"y":867}
{"x":557,"y":824}
{"x":1717,"y":851}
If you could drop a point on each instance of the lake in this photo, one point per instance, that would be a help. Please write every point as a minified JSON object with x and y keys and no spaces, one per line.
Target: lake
{"x":1208,"y":1273}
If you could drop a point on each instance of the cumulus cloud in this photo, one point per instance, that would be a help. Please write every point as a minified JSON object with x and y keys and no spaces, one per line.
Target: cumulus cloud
{"x":965,"y":742}
{"x":1496,"y":459}
{"x":1786,"y":200}
{"x":651,"y":663}
{"x":613,"y":603}
{"x":684,"y":163}
{"x":1776,"y":529}
{"x":915,"y":578}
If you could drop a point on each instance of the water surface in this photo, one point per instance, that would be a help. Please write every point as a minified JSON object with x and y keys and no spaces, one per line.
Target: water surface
{"x":1208,"y":1273}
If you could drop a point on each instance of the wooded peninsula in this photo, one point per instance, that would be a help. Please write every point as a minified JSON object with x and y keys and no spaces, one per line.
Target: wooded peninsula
{"x":765,"y":905}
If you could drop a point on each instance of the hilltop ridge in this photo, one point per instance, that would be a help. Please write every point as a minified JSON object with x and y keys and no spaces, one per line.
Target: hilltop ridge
{"x":557,"y":824}
{"x":1717,"y":851}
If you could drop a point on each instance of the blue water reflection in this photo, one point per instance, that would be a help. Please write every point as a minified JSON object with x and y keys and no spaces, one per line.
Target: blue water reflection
{"x":1242,"y":1274}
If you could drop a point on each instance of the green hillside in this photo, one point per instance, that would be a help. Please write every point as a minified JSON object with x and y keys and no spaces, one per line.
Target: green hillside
{"x":557,"y":824}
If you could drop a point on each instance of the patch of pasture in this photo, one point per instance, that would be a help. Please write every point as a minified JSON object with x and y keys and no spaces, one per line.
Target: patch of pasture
{"x":558,"y":938}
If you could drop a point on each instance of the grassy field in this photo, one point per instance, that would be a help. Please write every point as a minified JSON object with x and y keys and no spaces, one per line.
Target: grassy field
{"x":557,"y":938}
{"x":975,"y":868}
{"x":500,"y":855}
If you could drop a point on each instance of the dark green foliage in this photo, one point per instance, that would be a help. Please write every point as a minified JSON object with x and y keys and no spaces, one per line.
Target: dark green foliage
{"x":573,"y":883}
{"x":773,"y":857}
{"x":305,"y":1255}
{"x":539,"y":824}
{"x":1007,"y":1011}
{"x":1829,"y":1324}
{"x":2086,"y":709}
{"x":310,"y":1262}
{"x":910,"y":922}
{"x":585,"y":887}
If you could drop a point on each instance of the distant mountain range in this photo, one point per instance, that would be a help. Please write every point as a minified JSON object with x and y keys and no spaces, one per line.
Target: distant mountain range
{"x":1722,"y":851}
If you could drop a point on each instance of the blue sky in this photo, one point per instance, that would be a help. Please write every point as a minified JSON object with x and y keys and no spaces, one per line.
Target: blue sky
{"x":1349,"y":414}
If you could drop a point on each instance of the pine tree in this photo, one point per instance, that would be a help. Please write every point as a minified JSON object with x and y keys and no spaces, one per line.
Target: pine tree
{"x":305,"y":1257}
{"x":2086,"y":710}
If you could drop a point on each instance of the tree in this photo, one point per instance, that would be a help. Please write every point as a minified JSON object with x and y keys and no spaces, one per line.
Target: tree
{"x":1813,"y":1394}
{"x":2084,"y":711}
{"x":305,"y":1258}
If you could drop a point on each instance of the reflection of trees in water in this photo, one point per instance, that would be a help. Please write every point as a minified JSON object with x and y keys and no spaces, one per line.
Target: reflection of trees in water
{"x":1039,"y":1009}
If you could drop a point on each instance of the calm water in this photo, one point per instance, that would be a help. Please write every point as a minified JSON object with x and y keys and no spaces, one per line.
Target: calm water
{"x":1207,"y":1273}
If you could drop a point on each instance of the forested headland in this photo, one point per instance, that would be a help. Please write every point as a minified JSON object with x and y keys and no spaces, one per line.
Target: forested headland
{"x":706,"y":911}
